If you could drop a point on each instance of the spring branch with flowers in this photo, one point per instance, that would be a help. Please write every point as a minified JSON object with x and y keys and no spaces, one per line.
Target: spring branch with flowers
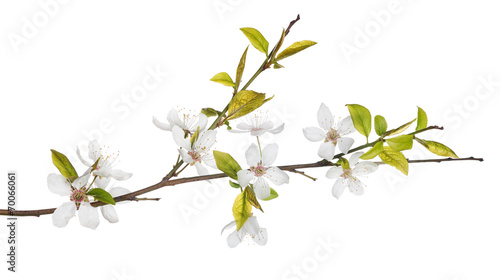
{"x":86,"y":193}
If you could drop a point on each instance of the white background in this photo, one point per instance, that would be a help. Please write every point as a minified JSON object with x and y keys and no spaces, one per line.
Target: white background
{"x":74,"y":71}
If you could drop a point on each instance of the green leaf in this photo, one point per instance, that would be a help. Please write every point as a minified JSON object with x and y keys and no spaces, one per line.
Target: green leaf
{"x":244,"y":102}
{"x":278,"y":66}
{"x":421,"y":119}
{"x":295,"y":48}
{"x":239,"y":70}
{"x":101,"y":195}
{"x":256,"y":38}
{"x":396,"y":159}
{"x":278,"y":46}
{"x":399,"y":129}
{"x":361,"y":119}
{"x":64,"y":165}
{"x":226,"y":163}
{"x":400,"y":143}
{"x":380,"y":125}
{"x":234,"y":185}
{"x":374,"y":151}
{"x":439,"y":149}
{"x":241,"y":209}
{"x":209,"y":112}
{"x":195,"y":135}
{"x":252,"y":198}
{"x":223,"y":78}
{"x":273,"y":195}
{"x":344,"y":163}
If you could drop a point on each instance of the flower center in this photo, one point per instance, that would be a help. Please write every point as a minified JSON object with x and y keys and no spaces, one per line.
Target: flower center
{"x":78,"y":196}
{"x":195,"y":156}
{"x":347,"y":173}
{"x":332,"y":136}
{"x":258,"y":170}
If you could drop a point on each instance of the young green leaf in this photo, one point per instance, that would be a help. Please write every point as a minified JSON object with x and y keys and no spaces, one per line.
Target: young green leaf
{"x":101,"y":195}
{"x":273,"y":195}
{"x":244,"y":102}
{"x":421,"y":119}
{"x":195,"y":135}
{"x":239,"y":70}
{"x":223,"y":78}
{"x":209,"y":112}
{"x":374,"y":151}
{"x":234,"y":185}
{"x":399,"y":129}
{"x":278,"y":46}
{"x":276,"y":65}
{"x":226,"y":163}
{"x":344,"y":163}
{"x":361,"y":119}
{"x":396,"y":159}
{"x":64,"y":165}
{"x":439,"y":149}
{"x":252,"y":198}
{"x":380,"y":125}
{"x":294,"y":48}
{"x":256,"y":38}
{"x":400,"y":143}
{"x":241,"y":209}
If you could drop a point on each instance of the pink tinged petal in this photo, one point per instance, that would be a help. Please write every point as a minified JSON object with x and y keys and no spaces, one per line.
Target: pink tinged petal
{"x":233,"y":239}
{"x":63,"y":214}
{"x":209,"y":160}
{"x":202,"y":122}
{"x":88,"y":215}
{"x":109,"y":213}
{"x":261,"y":188}
{"x":314,"y":134}
{"x":257,"y":132}
{"x":228,"y":226}
{"x":269,"y":154}
{"x":277,"y":176}
{"x":58,"y":184}
{"x":81,"y":158}
{"x":244,"y":126}
{"x":278,"y":129}
{"x":161,"y":125}
{"x":326,"y":150}
{"x":325,"y":118}
{"x":185,"y":156}
{"x":173,"y":119}
{"x":178,"y":134}
{"x":334,"y":172}
{"x":94,"y":150}
{"x":202,"y":170}
{"x":244,"y":177}
{"x":345,"y":144}
{"x":354,"y":159}
{"x":355,"y":186}
{"x":252,"y":155}
{"x":345,"y":126}
{"x":338,"y":188}
{"x":364,"y":168}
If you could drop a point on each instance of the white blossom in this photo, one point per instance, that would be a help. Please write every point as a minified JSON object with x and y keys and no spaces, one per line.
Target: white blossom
{"x":250,"y":229}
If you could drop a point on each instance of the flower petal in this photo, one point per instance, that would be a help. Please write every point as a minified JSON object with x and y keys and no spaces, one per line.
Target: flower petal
{"x":81,"y":158}
{"x":63,"y":214}
{"x":261,"y":188}
{"x":202,"y":122}
{"x":346,"y":126}
{"x":228,"y":226}
{"x":173,"y":119}
{"x":269,"y":154}
{"x":58,"y":184}
{"x":244,"y":177}
{"x":202,"y":170}
{"x":178,"y":134}
{"x":244,"y":126}
{"x":205,"y":141}
{"x":354,"y":159}
{"x":118,"y":191}
{"x":257,"y":131}
{"x":161,"y":125}
{"x":326,"y":150}
{"x":338,"y":188}
{"x":252,"y":155}
{"x":102,"y":182}
{"x":278,"y":129}
{"x":120,"y":175}
{"x":185,"y":156}
{"x":345,"y":144}
{"x":364,"y":168}
{"x":81,"y":181}
{"x":94,"y":150}
{"x":334,"y":172}
{"x":233,"y":239}
{"x":355,"y":186}
{"x":314,"y":134}
{"x":325,"y":118}
{"x":88,"y":215}
{"x":261,"y":237}
{"x":109,"y":213}
{"x":277,"y":176}
{"x":209,"y":160}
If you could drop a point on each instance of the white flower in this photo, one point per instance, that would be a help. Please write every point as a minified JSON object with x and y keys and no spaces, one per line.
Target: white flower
{"x":104,"y":168}
{"x":348,"y":177}
{"x":187,"y":123}
{"x":108,"y":211}
{"x":79,"y":201}
{"x":199,"y":151}
{"x":257,"y":124}
{"x":250,"y":228}
{"x":332,"y":134}
{"x":259,"y":169}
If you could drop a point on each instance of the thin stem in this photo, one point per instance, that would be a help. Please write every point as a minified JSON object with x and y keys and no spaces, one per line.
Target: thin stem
{"x":303,"y":174}
{"x":260,"y":150}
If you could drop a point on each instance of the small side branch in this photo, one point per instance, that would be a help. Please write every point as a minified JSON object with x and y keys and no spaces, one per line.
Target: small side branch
{"x":302,"y":173}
